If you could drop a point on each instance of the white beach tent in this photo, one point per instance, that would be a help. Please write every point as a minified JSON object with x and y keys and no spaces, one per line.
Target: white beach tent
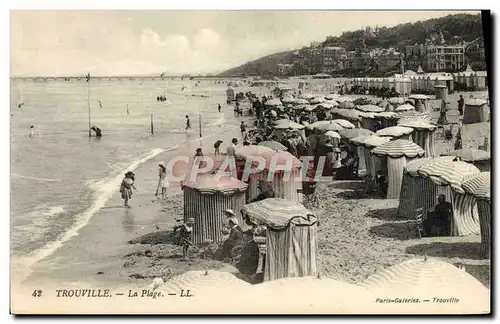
{"x":291,"y":237}
{"x":397,"y":153}
{"x":479,"y":186}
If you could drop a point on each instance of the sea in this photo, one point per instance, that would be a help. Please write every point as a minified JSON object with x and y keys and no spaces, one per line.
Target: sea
{"x":60,"y":177}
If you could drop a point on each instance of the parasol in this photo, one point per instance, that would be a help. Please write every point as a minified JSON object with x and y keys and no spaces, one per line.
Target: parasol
{"x":288,"y":124}
{"x":273,"y":145}
{"x":370,"y":108}
{"x":370,"y":140}
{"x":355,"y":132}
{"x":417,"y":124}
{"x":344,"y":123}
{"x":399,"y":148}
{"x":332,"y":134}
{"x":405,"y":107}
{"x":412,"y":167}
{"x":209,"y":184}
{"x":346,"y":104}
{"x":418,"y":97}
{"x":326,"y":125}
{"x":396,"y":100}
{"x":273,"y":102}
{"x":301,"y":101}
{"x":317,"y":100}
{"x":394,"y":131}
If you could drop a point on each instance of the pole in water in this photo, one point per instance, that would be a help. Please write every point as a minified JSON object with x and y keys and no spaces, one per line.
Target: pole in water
{"x":152,"y":130}
{"x":88,"y":102}
{"x":128,"y":113}
{"x":199,"y":121}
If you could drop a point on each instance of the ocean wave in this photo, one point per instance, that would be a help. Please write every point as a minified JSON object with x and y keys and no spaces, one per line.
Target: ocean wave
{"x":107,"y":188}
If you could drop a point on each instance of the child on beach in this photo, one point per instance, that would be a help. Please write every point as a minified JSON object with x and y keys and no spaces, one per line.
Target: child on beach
{"x":186,"y":229}
{"x":162,"y":181}
{"x":126,"y":187}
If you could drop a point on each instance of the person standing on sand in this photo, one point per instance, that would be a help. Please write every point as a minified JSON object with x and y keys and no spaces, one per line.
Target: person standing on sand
{"x":126,"y":187}
{"x":32,"y":131}
{"x":231,"y":150}
{"x":243,"y":129}
{"x":461,"y":105}
{"x":219,"y":108}
{"x":188,"y":123}
{"x":162,"y":181}
{"x":186,"y":231}
{"x":217,"y":147}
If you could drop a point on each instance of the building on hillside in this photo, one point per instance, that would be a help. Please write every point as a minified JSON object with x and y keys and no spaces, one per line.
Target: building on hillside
{"x":388,"y":59}
{"x":285,"y":69}
{"x":415,"y":56}
{"x":445,"y":57}
{"x":332,"y":58}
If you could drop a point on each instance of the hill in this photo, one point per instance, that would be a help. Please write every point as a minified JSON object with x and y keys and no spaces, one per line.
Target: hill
{"x":452,"y":28}
{"x":264,"y":66}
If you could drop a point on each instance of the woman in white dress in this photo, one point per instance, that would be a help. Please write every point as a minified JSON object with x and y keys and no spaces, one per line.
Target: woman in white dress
{"x":162,"y":181}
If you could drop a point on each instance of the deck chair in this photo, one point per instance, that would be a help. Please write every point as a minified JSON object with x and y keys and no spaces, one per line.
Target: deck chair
{"x":419,"y":222}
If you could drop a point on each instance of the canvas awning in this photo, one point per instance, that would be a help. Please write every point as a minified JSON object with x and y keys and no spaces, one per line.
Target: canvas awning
{"x":478,"y":185}
{"x":469,"y":155}
{"x":446,"y":172}
{"x":399,"y":148}
{"x":352,"y":133}
{"x":394,"y":131}
{"x":210,"y":184}
{"x":370,"y":108}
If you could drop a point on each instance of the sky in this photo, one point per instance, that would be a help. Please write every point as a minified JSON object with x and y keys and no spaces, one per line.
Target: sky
{"x":108,"y":42}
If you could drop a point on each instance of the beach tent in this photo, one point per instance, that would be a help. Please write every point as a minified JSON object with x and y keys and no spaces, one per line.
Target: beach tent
{"x":423,"y":134}
{"x":205,"y":200}
{"x":476,"y":111}
{"x":479,"y":186}
{"x":349,"y":114}
{"x":417,"y":191}
{"x":404,"y":107}
{"x":291,"y":237}
{"x":276,"y":146}
{"x":421,"y":102}
{"x":367,"y":143}
{"x":344,"y":123}
{"x":325,"y":126}
{"x":480,"y":158}
{"x":397,"y":153}
{"x":369,"y":120}
{"x":425,"y":276}
{"x":449,"y":175}
{"x":395,"y":132}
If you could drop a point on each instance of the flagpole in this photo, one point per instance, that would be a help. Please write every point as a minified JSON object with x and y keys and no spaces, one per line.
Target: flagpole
{"x":88,"y":102}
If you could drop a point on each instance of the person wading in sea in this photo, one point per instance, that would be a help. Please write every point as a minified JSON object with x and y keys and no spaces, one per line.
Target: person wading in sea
{"x":126,"y":187}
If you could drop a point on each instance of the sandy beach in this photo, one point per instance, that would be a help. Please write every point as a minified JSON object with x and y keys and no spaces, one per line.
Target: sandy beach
{"x":358,"y":235}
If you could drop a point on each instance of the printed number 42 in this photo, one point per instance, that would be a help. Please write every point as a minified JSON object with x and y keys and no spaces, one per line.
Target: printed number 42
{"x":37,"y":293}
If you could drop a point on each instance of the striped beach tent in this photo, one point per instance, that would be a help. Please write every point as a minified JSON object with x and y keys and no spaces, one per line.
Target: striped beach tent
{"x":417,"y":191}
{"x":355,"y":132}
{"x":365,"y":144}
{"x":395,"y":132}
{"x":428,"y":278}
{"x":423,"y":134}
{"x":291,"y":237}
{"x":205,"y":200}
{"x":449,"y":175}
{"x":480,"y":158}
{"x":398,"y":154}
{"x":369,"y":120}
{"x":479,"y":186}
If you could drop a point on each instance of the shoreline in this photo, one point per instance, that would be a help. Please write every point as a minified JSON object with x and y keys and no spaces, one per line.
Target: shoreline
{"x":99,"y":245}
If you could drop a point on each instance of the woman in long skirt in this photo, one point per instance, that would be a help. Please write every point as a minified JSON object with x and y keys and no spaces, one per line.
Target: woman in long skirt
{"x":162,"y":181}
{"x":126,"y":187}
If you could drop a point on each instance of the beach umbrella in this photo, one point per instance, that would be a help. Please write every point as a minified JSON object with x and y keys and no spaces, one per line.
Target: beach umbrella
{"x":344,"y":123}
{"x":399,"y":148}
{"x":478,"y":185}
{"x":428,"y":278}
{"x":420,"y":124}
{"x":418,"y":97}
{"x":370,"y":141}
{"x":332,"y":134}
{"x":252,"y":150}
{"x":396,"y":100}
{"x":317,"y":100}
{"x":355,"y":132}
{"x":346,"y":104}
{"x":413,"y":167}
{"x":469,"y":155}
{"x":273,"y":102}
{"x":274,"y":145}
{"x":446,"y":172}
{"x":346,"y":98}
{"x":370,"y":108}
{"x":288,"y":100}
{"x":205,"y":281}
{"x":325,"y":105}
{"x":288,"y":124}
{"x":301,"y":101}
{"x":288,"y":295}
{"x":346,"y":113}
{"x":326,"y":125}
{"x":310,"y":108}
{"x":307,"y":96}
{"x":394,"y":131}
{"x":404,"y":107}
